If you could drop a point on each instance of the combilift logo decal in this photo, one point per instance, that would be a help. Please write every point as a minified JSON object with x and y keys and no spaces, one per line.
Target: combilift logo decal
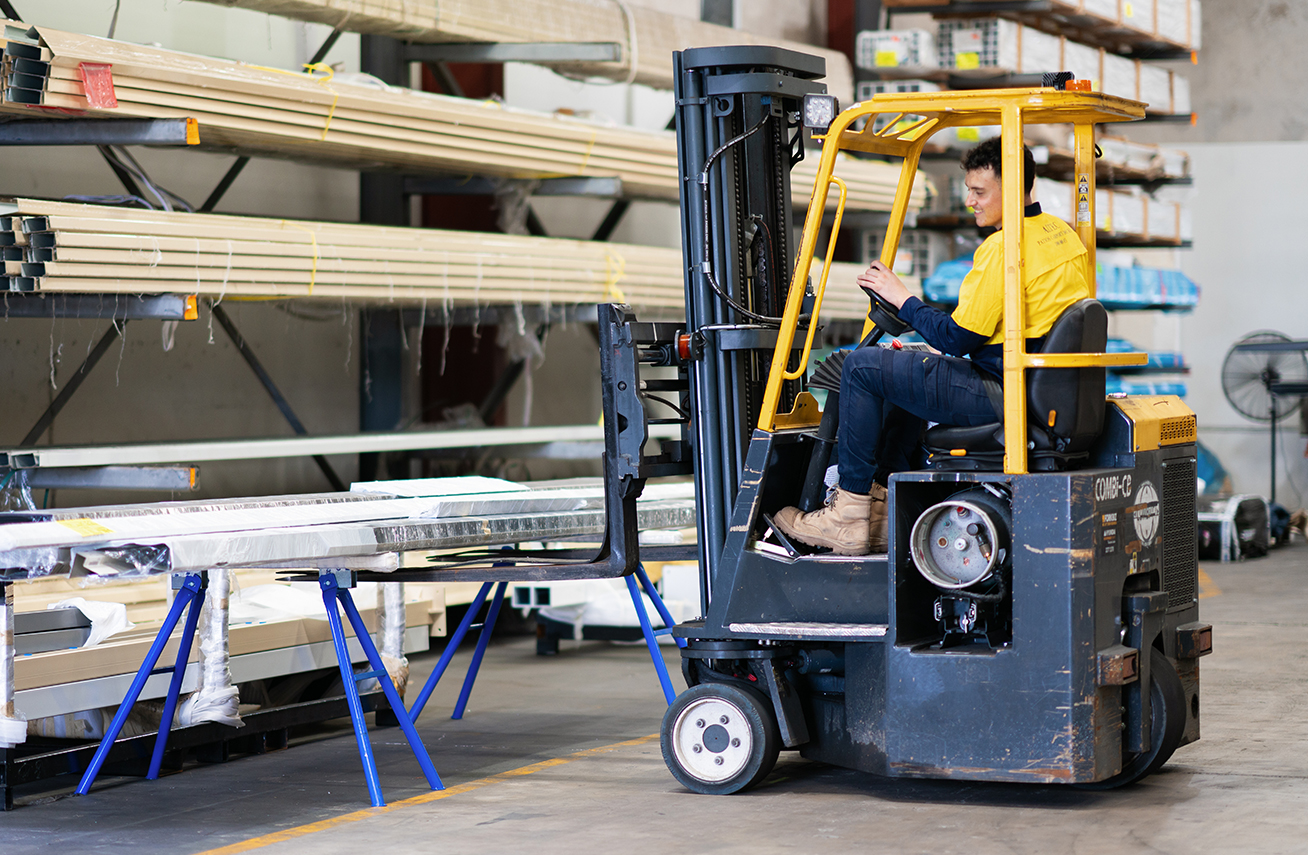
{"x":1145,"y":513}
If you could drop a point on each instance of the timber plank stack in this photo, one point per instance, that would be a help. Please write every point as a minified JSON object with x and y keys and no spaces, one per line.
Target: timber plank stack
{"x":648,"y":37}
{"x":66,"y":247}
{"x":273,"y":112}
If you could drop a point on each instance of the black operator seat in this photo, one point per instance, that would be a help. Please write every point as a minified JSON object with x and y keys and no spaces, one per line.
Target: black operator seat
{"x":1065,"y":406}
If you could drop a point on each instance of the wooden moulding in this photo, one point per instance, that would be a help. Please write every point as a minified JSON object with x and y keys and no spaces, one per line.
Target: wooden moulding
{"x":100,"y":249}
{"x":287,"y":114}
{"x":648,"y":37}
{"x":124,"y":656}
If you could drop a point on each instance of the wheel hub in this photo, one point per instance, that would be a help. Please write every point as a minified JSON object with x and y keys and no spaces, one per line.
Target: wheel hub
{"x":712,"y":739}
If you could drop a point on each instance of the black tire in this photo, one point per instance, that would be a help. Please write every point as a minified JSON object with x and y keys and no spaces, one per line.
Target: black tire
{"x":1166,"y":725}
{"x":719,"y":739}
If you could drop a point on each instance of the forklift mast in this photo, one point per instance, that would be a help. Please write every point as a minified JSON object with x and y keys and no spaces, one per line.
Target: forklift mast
{"x":738,"y":135}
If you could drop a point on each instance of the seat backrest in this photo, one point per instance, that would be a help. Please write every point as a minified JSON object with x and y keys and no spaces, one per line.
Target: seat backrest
{"x":1070,"y":401}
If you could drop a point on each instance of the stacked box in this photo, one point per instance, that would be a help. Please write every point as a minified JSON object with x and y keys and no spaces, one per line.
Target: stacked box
{"x":1139,"y":14}
{"x":1119,"y":212}
{"x":1118,"y":76}
{"x":1179,"y":21}
{"x":1180,"y":93}
{"x":1056,"y":198}
{"x":1176,"y":164}
{"x":918,"y":254}
{"x":1082,"y":61}
{"x":1162,"y":220}
{"x":994,"y":45}
{"x":903,"y":50}
{"x":1156,"y":89}
{"x":1143,"y":157}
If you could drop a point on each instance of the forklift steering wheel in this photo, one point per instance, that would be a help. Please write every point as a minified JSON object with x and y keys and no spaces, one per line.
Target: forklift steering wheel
{"x":884,"y":315}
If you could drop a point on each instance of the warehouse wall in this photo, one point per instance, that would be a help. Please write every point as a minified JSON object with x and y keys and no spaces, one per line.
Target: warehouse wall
{"x":201,"y":389}
{"x":1249,"y":152}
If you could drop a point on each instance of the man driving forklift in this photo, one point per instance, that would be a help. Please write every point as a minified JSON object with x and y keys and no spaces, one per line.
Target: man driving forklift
{"x":886,"y":394}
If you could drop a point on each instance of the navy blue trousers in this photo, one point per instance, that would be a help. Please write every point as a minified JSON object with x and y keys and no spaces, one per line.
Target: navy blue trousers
{"x":886,"y":396}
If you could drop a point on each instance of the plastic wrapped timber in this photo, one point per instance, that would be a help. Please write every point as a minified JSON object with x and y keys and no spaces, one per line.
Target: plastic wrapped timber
{"x":1180,"y":22}
{"x":997,"y":46}
{"x":647,"y":36}
{"x":1121,"y":212}
{"x":13,"y":725}
{"x":60,"y":246}
{"x":1144,"y":158}
{"x":1162,"y":220}
{"x":1118,"y":75}
{"x":991,"y":46}
{"x":1176,"y":23}
{"x":912,"y":51}
{"x":1082,"y":60}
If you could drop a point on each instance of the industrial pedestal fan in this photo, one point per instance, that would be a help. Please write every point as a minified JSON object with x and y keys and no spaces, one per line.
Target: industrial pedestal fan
{"x":1265,"y":377}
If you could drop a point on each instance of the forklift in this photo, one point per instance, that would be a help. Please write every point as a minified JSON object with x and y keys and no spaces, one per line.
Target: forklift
{"x":1035,"y":618}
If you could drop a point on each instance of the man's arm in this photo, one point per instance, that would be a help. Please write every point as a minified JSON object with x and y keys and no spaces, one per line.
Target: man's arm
{"x":940,"y":330}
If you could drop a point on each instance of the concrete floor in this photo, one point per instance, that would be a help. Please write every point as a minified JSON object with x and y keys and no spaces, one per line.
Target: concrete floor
{"x":559,"y":755}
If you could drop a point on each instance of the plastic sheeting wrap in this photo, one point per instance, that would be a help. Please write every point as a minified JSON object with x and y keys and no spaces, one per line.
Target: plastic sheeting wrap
{"x":1180,"y":21}
{"x":1082,"y":61}
{"x":1163,"y":219}
{"x":1118,"y":76}
{"x":216,"y":699}
{"x":390,"y":632}
{"x":13,"y":726}
{"x":1055,"y":198}
{"x":107,"y":619}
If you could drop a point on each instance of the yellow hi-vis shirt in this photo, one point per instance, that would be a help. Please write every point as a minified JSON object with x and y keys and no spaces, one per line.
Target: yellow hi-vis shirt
{"x":1055,"y":278}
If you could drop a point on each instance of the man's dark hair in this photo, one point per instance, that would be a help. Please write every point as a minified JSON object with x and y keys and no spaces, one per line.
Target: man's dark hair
{"x":991,"y":153}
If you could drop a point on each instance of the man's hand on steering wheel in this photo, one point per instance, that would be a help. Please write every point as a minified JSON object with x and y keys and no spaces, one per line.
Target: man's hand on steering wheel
{"x":881,"y":281}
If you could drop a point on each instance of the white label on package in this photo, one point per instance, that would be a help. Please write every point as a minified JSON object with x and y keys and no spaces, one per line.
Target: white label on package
{"x":967,"y":41}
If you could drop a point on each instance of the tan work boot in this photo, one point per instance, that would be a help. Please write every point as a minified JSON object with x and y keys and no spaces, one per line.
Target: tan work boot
{"x":878,"y":519}
{"x":842,"y":526}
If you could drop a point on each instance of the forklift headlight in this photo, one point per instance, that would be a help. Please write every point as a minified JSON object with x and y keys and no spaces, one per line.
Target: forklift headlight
{"x":820,"y":111}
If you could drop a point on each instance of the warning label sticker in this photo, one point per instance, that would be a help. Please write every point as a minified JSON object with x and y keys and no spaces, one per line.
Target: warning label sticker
{"x":85,"y":527}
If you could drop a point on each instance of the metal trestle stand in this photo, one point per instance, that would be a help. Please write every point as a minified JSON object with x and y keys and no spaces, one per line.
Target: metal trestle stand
{"x":336,"y":586}
{"x":190,"y":593}
{"x":497,"y":600}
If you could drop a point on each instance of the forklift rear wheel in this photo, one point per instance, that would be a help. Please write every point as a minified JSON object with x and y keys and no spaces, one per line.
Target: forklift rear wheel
{"x":719,"y":739}
{"x":1166,"y":726}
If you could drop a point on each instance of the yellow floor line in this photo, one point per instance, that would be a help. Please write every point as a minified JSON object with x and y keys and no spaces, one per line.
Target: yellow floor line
{"x":1207,"y":587}
{"x":355,"y":816}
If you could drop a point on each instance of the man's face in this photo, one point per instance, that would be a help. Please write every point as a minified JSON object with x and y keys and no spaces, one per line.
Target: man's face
{"x":985,"y":197}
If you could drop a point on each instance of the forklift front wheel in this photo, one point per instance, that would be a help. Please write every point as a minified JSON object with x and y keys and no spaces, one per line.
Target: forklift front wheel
{"x":1166,"y":725}
{"x":719,"y":739}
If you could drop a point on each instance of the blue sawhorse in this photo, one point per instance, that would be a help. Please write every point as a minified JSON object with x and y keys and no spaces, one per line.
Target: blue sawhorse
{"x":335,"y":586}
{"x":189,"y":592}
{"x":497,"y":601}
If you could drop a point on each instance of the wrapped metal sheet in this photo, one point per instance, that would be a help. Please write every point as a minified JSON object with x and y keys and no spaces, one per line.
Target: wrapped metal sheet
{"x":13,"y":725}
{"x":390,"y":633}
